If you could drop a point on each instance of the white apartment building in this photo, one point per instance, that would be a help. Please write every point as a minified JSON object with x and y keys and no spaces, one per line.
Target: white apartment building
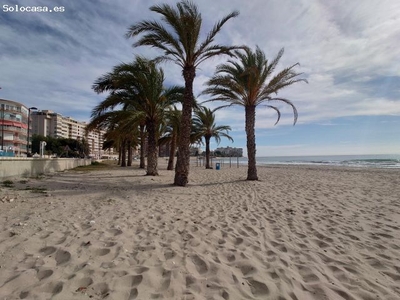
{"x":49,"y":123}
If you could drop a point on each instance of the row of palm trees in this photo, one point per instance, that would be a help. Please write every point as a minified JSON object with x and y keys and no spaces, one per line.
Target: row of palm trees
{"x":140,"y":109}
{"x":247,"y":79}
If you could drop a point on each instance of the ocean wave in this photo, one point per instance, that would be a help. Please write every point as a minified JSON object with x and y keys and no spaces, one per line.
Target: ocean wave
{"x":362,"y":162}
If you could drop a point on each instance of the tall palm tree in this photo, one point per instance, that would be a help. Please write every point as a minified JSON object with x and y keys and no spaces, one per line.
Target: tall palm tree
{"x":250,"y":81}
{"x":180,"y":42}
{"x":204,"y":124}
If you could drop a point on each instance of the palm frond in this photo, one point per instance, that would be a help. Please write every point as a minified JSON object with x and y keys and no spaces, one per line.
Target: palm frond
{"x":247,"y":80}
{"x":288,"y":102}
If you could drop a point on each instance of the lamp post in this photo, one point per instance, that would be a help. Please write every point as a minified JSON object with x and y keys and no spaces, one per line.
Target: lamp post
{"x":2,"y":126}
{"x":29,"y":124}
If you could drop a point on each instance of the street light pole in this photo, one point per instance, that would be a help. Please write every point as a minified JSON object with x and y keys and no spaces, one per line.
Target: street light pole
{"x":2,"y":126}
{"x":29,"y":124}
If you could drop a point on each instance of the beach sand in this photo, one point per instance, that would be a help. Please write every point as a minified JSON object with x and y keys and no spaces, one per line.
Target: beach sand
{"x":298,"y":233}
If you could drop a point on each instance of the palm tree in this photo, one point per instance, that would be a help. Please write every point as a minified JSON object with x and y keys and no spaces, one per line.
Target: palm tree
{"x":171,"y":134}
{"x":142,"y":135}
{"x":204,"y":124}
{"x":118,"y":125}
{"x":151,"y":101}
{"x":249,"y":82}
{"x":121,"y":132}
{"x":117,"y":82}
{"x":181,"y":44}
{"x":139,"y":88}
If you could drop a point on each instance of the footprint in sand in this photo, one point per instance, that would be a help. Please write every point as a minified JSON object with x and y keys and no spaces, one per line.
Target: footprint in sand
{"x":200,"y":264}
{"x":166,"y":275}
{"x":247,"y":269}
{"x":62,"y":257}
{"x":169,"y":254}
{"x":43,"y":274}
{"x":258,"y":289}
{"x":24,"y":295}
{"x":251,"y":230}
{"x":53,"y":288}
{"x":101,"y":289}
{"x":101,"y":252}
{"x":61,"y":240}
{"x":274,"y":275}
{"x":225,"y":295}
{"x":47,"y":250}
{"x":230,"y":257}
{"x":83,"y":282}
{"x":133,"y":294}
{"x":128,"y":283}
{"x":309,"y":278}
{"x":141,"y":269}
{"x":238,"y":241}
{"x":131,"y":280}
{"x":191,"y":283}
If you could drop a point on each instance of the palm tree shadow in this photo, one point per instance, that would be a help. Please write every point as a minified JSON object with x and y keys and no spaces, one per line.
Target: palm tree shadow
{"x":219,"y":183}
{"x":154,"y":186}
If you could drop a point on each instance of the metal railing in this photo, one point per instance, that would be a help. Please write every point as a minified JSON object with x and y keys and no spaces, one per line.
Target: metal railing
{"x":224,"y":162}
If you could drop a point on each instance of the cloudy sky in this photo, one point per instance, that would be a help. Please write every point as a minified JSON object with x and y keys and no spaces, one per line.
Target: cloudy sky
{"x":348,"y":50}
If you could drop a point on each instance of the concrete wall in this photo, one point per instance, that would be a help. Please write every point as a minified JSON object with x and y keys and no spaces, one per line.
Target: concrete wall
{"x":30,"y":167}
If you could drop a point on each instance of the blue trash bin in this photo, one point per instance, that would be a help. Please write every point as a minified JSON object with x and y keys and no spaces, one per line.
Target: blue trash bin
{"x":217,"y":166}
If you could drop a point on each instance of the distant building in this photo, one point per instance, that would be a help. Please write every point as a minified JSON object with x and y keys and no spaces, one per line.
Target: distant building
{"x":14,"y":127}
{"x":49,"y":123}
{"x":229,"y":151}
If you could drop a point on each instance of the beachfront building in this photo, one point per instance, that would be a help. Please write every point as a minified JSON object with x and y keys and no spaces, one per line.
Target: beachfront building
{"x":49,"y":123}
{"x":229,"y":151}
{"x":14,"y":128}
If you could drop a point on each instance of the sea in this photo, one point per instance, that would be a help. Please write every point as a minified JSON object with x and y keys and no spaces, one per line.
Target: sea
{"x":357,"y":161}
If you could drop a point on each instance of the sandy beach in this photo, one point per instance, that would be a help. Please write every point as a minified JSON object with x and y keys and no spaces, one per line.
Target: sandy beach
{"x":300,"y":233}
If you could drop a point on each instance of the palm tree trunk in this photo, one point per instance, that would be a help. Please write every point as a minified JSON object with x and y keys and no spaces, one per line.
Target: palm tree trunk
{"x":129,"y":153}
{"x":207,"y":138}
{"x":142,"y":147}
{"x":183,"y":159}
{"x":119,"y":153}
{"x":152,"y":155}
{"x":172,"y":152}
{"x":251,"y":142}
{"x":123,"y":156}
